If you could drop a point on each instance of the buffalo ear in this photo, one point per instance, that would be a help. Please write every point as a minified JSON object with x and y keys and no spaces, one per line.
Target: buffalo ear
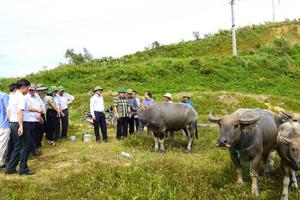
{"x":285,"y":140}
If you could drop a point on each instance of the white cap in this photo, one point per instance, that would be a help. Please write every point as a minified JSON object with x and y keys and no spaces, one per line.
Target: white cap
{"x":168,"y":95}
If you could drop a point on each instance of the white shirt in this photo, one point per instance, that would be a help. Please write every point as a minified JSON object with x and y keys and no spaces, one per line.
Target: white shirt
{"x":34,"y":102}
{"x":57,"y":101}
{"x":96,"y":104}
{"x":16,"y":102}
{"x":41,"y":102}
{"x":138,"y":101}
{"x":65,"y":100}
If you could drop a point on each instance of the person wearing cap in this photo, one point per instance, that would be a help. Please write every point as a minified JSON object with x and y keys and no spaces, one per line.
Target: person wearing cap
{"x":136,"y":117}
{"x":4,"y":125}
{"x":97,"y":112}
{"x":41,"y":92}
{"x":20,"y":130}
{"x":52,"y":114}
{"x":122,"y":112}
{"x":65,"y":99}
{"x":187,"y":100}
{"x":134,"y":108}
{"x":58,"y":102}
{"x":168,"y":99}
{"x":146,"y":103}
{"x":32,"y":114}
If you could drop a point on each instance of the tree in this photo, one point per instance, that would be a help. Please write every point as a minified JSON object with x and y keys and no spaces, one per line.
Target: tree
{"x":196,"y":35}
{"x":78,"y":58}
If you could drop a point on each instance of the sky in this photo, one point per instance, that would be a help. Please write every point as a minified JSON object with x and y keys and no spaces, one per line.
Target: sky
{"x":37,"y":33}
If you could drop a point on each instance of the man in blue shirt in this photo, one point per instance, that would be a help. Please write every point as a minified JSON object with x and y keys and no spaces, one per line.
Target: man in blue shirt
{"x":187,"y":100}
{"x":4,"y":125}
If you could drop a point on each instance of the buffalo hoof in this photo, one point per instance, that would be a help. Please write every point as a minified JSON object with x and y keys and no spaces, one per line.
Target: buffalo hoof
{"x":162,"y":151}
{"x":155,"y":150}
{"x":255,"y":193}
{"x":284,"y":197}
{"x":294,"y":186}
{"x":188,"y":151}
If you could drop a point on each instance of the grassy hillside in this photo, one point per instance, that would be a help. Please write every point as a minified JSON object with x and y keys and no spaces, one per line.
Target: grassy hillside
{"x":265,"y":74}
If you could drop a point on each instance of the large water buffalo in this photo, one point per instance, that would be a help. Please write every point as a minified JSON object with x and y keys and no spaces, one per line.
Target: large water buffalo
{"x":288,"y":148}
{"x":250,"y":134}
{"x":163,"y":117}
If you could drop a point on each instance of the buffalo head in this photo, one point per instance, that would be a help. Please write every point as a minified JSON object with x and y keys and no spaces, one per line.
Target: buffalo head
{"x":231,"y":127}
{"x":294,"y":151}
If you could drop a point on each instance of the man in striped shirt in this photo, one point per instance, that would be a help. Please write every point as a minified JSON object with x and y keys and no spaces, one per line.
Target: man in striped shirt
{"x":122,"y":112}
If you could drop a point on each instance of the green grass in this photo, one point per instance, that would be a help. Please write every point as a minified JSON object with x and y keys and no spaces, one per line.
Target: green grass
{"x":267,"y":70}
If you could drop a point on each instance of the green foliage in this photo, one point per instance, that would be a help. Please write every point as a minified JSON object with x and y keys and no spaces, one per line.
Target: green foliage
{"x":78,"y":58}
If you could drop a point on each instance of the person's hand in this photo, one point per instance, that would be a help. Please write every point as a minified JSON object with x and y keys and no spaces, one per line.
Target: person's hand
{"x":20,"y":131}
{"x":117,"y":115}
{"x":41,"y":110}
{"x":94,"y":118}
{"x":62,"y":114}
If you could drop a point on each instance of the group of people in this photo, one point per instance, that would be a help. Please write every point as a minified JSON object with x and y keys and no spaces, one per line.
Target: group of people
{"x":126,"y":104}
{"x":26,"y":114}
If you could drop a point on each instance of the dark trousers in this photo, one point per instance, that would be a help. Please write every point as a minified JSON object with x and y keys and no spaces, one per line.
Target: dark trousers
{"x":65,"y":123}
{"x":33,"y":133}
{"x":137,"y":123}
{"x":42,"y":128}
{"x":122,"y":127}
{"x":52,"y":119}
{"x":21,"y":148}
{"x":56,"y":128}
{"x":10,"y":148}
{"x":131,"y":124}
{"x":100,"y":121}
{"x":141,"y":129}
{"x":171,"y":134}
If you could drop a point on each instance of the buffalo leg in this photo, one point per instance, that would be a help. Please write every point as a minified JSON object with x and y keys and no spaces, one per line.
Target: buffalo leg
{"x":294,"y":184}
{"x":266,"y":166}
{"x":156,"y":148}
{"x":254,"y":164}
{"x":238,"y":166}
{"x":190,"y":132}
{"x":161,"y":141}
{"x":271,"y":161}
{"x":285,"y":182}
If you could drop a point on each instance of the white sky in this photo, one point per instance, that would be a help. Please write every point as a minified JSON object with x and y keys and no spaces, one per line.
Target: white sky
{"x":36,"y":33}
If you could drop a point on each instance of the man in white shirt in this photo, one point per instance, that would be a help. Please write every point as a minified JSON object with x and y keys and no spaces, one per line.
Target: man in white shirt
{"x":65,"y":99}
{"x":41,"y":91}
{"x":20,"y":130}
{"x":32,"y":115}
{"x":97,"y":112}
{"x":57,"y":100}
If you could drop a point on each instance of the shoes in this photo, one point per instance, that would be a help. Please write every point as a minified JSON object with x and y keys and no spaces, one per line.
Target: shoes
{"x":28,"y":173}
{"x":3,"y":166}
{"x":105,"y":140}
{"x":37,"y":153}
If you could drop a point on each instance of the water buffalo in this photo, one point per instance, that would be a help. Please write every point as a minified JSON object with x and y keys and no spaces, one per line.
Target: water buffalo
{"x":288,"y":148}
{"x":164,"y":117}
{"x":250,"y":134}
{"x":289,"y":117}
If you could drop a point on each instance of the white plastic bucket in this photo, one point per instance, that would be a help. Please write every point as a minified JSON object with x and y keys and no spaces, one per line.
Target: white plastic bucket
{"x":87,"y":138}
{"x":73,"y":138}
